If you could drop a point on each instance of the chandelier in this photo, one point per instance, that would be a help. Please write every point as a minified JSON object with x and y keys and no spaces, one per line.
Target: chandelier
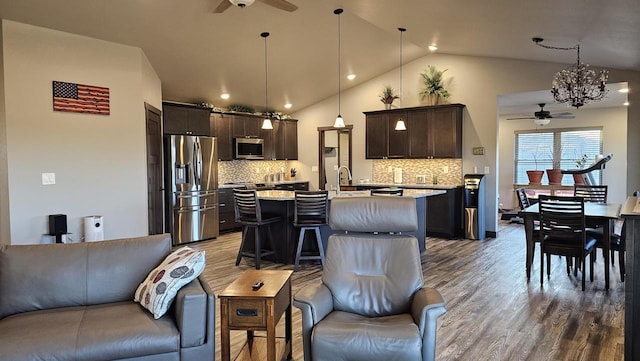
{"x":577,"y":84}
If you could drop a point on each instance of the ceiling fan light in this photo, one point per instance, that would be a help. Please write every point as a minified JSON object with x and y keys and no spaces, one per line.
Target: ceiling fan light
{"x":339,"y":123}
{"x":542,"y":122}
{"x":242,"y":3}
{"x":266,"y":124}
{"x":400,"y":125}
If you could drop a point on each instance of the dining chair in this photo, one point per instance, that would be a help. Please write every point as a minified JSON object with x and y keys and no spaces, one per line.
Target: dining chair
{"x":562,"y":232}
{"x":249,"y":214}
{"x":591,"y":193}
{"x":618,"y":244}
{"x":310,"y":213}
{"x":388,"y":192}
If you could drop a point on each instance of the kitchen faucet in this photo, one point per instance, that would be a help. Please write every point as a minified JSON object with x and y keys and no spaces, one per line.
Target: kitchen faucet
{"x":348,"y":173}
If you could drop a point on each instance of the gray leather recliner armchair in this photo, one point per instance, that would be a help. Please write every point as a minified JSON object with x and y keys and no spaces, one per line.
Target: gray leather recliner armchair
{"x":372,"y":303}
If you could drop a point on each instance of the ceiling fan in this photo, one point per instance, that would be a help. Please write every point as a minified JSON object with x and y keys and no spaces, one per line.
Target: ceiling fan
{"x":280,"y":4}
{"x":543,"y":117}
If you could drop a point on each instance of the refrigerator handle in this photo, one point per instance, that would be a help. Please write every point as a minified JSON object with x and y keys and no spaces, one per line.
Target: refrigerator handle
{"x":197,"y":163}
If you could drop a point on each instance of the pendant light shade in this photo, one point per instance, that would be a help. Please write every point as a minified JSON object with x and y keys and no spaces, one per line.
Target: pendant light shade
{"x":339,"y":123}
{"x":266,"y":123}
{"x":400,"y":123}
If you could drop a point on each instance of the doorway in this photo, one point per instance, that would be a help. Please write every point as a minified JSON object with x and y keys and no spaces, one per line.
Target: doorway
{"x":154,"y":169}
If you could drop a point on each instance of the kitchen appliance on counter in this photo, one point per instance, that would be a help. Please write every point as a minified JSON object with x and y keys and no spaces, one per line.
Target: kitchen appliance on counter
{"x":191,"y":183}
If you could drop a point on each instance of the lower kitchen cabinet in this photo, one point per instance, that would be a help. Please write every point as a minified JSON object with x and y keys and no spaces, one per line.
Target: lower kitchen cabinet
{"x":445,"y":214}
{"x":298,"y":186}
{"x":444,"y":211}
{"x":226,"y":213}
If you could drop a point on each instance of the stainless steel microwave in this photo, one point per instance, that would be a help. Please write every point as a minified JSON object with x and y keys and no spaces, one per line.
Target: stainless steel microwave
{"x":248,"y":148}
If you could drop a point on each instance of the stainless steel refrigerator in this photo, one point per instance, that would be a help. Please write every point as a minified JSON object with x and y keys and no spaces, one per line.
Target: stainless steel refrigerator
{"x":191,"y":176}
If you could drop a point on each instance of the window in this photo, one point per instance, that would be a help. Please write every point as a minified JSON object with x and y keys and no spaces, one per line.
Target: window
{"x":556,"y":148}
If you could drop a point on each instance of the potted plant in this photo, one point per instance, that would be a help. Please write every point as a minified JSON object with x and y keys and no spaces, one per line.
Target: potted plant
{"x":554,"y":174}
{"x":535,"y":176}
{"x":388,"y":96}
{"x":580,"y":163}
{"x":433,"y":85}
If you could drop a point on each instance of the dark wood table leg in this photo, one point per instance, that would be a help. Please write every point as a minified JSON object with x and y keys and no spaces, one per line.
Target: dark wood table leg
{"x":530,"y":242}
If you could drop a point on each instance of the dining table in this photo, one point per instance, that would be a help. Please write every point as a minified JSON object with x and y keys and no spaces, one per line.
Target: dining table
{"x":599,"y":213}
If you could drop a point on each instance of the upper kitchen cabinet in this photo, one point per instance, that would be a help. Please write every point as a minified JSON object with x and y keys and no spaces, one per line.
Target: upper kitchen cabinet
{"x":432,"y":132}
{"x":185,"y":119}
{"x":382,"y":140}
{"x":246,"y":126}
{"x":222,"y":125}
{"x":285,"y":139}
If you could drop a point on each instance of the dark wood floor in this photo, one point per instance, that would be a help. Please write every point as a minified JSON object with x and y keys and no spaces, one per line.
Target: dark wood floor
{"x":493,"y":312}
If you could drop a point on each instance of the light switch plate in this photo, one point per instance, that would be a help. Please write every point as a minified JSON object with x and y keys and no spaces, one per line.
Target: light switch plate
{"x":486,"y":169}
{"x":48,"y":178}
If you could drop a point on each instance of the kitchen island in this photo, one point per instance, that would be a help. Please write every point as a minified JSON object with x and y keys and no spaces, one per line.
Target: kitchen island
{"x":285,"y":235}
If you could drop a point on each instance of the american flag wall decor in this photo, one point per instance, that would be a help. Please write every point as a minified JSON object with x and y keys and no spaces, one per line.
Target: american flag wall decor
{"x":79,"y":98}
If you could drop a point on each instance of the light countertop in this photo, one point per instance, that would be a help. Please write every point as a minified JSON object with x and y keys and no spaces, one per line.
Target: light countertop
{"x":278,"y":195}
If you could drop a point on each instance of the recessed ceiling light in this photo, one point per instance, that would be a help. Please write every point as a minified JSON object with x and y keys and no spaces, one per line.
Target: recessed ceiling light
{"x":626,"y":103}
{"x":433,"y":47}
{"x":288,"y":105}
{"x":351,"y":76}
{"x":224,"y":95}
{"x":624,"y":90}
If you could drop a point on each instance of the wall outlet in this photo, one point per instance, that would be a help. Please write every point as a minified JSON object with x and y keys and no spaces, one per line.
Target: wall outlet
{"x":48,"y":178}
{"x":257,"y":170}
{"x":314,"y":168}
{"x":389,"y":169}
{"x":445,"y":169}
{"x":486,"y":169}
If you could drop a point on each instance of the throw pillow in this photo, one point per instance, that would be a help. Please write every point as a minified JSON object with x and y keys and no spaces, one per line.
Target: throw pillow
{"x":157,"y":291}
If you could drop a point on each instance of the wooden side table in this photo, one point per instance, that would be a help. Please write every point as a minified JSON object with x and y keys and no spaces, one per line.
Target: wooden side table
{"x":242,"y":308}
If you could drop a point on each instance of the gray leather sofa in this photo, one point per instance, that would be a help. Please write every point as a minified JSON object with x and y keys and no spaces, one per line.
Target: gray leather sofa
{"x":372,"y":304}
{"x":75,"y":302}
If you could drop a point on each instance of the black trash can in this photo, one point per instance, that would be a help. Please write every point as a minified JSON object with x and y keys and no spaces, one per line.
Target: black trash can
{"x":474,"y":207}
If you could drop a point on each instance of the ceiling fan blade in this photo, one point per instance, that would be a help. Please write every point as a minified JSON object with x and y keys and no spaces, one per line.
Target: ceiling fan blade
{"x":224,"y":5}
{"x":561,"y":114}
{"x":521,"y":118}
{"x":569,"y":116}
{"x":281,"y":4}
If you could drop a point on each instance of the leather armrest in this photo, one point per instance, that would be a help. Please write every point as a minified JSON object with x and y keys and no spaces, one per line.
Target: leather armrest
{"x":426,"y":307}
{"x":315,"y":303}
{"x":191,"y":314}
{"x":315,"y":299}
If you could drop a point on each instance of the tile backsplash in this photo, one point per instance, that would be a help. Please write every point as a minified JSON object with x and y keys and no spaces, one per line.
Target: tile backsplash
{"x":250,"y":170}
{"x":411,"y":168}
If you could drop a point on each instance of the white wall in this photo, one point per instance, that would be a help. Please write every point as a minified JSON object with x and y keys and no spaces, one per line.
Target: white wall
{"x":99,"y":161}
{"x":476,"y":82}
{"x":4,"y":179}
{"x":613,"y":122}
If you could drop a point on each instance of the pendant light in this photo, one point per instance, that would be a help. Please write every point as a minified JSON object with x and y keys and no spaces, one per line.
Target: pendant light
{"x":266,"y":123}
{"x":400,"y":123}
{"x":339,"y":123}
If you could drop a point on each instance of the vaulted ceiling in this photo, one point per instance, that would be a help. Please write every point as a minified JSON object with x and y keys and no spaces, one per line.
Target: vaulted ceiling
{"x":198,"y":54}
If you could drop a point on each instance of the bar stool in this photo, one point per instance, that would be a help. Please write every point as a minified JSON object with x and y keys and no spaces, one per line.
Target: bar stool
{"x":310,"y":213}
{"x":388,"y":192}
{"x":249,"y":214}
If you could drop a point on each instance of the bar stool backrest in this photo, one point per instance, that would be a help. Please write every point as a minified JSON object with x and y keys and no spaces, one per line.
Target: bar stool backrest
{"x":246,"y":205}
{"x":311,"y":208}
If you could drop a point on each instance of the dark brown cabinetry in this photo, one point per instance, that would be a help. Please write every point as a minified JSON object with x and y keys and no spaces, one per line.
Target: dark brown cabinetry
{"x":383,"y":141}
{"x":285,"y":139}
{"x":298,"y":186}
{"x":444,"y":211}
{"x":246,"y":126}
{"x":280,"y":143}
{"x":222,"y":130}
{"x":432,"y":132}
{"x":226,"y":213}
{"x":185,"y":119}
{"x":445,"y":214}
